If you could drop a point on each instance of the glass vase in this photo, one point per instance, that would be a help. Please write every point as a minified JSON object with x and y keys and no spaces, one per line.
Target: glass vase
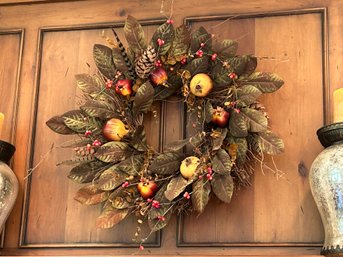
{"x":326,"y":181}
{"x":8,"y":182}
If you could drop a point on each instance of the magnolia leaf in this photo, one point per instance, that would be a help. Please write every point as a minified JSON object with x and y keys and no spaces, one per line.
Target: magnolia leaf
{"x":119,"y":60}
{"x":159,"y":196}
{"x":76,"y":142}
{"x":258,"y":122}
{"x":174,"y":83}
{"x":138,"y":140}
{"x":77,"y":160}
{"x":159,"y":218}
{"x":200,"y":36}
{"x":87,"y":83}
{"x":164,"y":32}
{"x":201,"y":195}
{"x":111,"y":179}
{"x":242,"y":148}
{"x":221,"y":162}
{"x":220,"y":75}
{"x":223,"y":186}
{"x":197,"y":139}
{"x":134,"y":35}
{"x":103,"y":59}
{"x":123,"y":198}
{"x":254,"y":143}
{"x":166,"y":163}
{"x":76,"y":120}
{"x":176,"y":145}
{"x":113,"y":152}
{"x":248,"y":94}
{"x":57,"y":125}
{"x":132,"y":165}
{"x":111,"y":217}
{"x":143,"y":98}
{"x":227,"y":48}
{"x":99,"y":109}
{"x":242,"y":65}
{"x":175,"y":187}
{"x":85,"y":172}
{"x":238,"y":124}
{"x":198,"y":65}
{"x":270,"y":143}
{"x":220,"y":134}
{"x":266,"y":82}
{"x":91,"y":195}
{"x":208,"y":111}
{"x":181,"y":41}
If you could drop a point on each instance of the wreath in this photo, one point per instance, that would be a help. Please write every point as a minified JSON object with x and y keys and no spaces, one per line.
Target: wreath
{"x":112,"y":156}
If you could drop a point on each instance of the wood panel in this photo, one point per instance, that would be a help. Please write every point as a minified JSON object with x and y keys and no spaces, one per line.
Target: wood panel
{"x":254,"y":215}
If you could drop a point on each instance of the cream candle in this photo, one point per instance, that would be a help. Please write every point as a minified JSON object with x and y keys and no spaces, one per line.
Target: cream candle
{"x":2,"y":116}
{"x":338,"y":105}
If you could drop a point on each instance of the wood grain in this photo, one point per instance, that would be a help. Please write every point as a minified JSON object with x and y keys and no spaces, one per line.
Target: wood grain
{"x":263,"y":210}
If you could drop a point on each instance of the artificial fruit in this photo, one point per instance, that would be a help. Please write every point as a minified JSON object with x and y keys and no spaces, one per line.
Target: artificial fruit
{"x":114,"y":130}
{"x":189,"y":166}
{"x":220,"y":117}
{"x":201,"y":85}
{"x":124,"y":87}
{"x":147,"y":189}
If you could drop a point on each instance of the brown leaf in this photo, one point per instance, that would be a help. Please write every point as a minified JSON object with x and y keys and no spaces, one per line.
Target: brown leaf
{"x":57,"y":125}
{"x":175,"y":187}
{"x":111,"y":217}
{"x":90,"y":195}
{"x":201,"y":195}
{"x":222,"y":186}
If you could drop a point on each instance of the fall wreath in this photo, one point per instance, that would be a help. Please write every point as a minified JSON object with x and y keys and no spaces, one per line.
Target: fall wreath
{"x":122,"y":171}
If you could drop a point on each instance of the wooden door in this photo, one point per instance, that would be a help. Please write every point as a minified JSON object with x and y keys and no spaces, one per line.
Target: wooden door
{"x":45,"y":43}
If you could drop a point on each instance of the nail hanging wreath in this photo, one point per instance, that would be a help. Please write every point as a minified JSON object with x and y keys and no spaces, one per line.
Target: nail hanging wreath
{"x":112,"y":156}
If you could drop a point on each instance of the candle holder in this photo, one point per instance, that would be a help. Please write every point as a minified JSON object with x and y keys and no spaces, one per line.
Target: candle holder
{"x":326,"y":182}
{"x":8,"y":182}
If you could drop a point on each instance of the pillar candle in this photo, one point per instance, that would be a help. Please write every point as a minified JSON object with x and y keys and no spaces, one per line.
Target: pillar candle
{"x":2,"y":116}
{"x":338,"y":105}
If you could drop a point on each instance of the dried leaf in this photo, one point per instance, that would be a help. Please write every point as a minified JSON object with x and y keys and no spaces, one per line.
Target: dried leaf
{"x":87,"y":83}
{"x":57,"y":125}
{"x":238,"y":125}
{"x":123,"y":198}
{"x":134,"y":35}
{"x":91,"y":195}
{"x":143,"y":98}
{"x":96,"y":108}
{"x":113,"y":152}
{"x":208,"y":112}
{"x":76,"y":142}
{"x":166,"y":163}
{"x":176,"y":145}
{"x":248,"y":94}
{"x":111,"y":179}
{"x":201,"y":195}
{"x":221,"y":162}
{"x":138,"y":140}
{"x":242,"y":148}
{"x":257,"y":121}
{"x":242,"y":65}
{"x":200,"y":36}
{"x":223,"y":186}
{"x":111,"y":217}
{"x":175,"y":187}
{"x":154,"y":218}
{"x":265,"y":82}
{"x":270,"y":143}
{"x":132,"y":165}
{"x":78,"y":121}
{"x":198,"y":65}
{"x":197,"y":139}
{"x":85,"y":172}
{"x":217,"y":141}
{"x":226,"y":48}
{"x":103,"y":59}
{"x":119,"y":61}
{"x":181,"y":41}
{"x":164,"y":32}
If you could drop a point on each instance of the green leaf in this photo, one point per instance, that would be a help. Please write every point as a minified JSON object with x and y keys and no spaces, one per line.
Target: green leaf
{"x":242,"y":148}
{"x":111,"y":217}
{"x":85,"y":172}
{"x":57,"y":125}
{"x":223,"y":186}
{"x":266,"y":82}
{"x":164,"y":32}
{"x":227,"y":48}
{"x":238,"y":124}
{"x":91,"y":195}
{"x":111,"y":179}
{"x":198,"y":65}
{"x":154,"y":222}
{"x":181,"y":41}
{"x":78,"y":121}
{"x":134,"y":35}
{"x":242,"y":64}
{"x":87,"y":83}
{"x":221,"y":162}
{"x":119,"y":61}
{"x":270,"y":143}
{"x":200,"y":36}
{"x":100,"y":109}
{"x":103,"y":59}
{"x":258,"y":122}
{"x":138,"y":140}
{"x":175,"y":187}
{"x":201,"y":195}
{"x":166,"y":163}
{"x":132,"y":165}
{"x":174,"y":83}
{"x":176,"y":145}
{"x":248,"y":94}
{"x":143,"y":98}
{"x":113,"y":152}
{"x":218,"y":140}
{"x":208,"y":112}
{"x":220,"y":75}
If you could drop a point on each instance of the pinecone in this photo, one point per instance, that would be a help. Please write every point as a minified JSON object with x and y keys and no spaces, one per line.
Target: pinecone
{"x":146,"y":63}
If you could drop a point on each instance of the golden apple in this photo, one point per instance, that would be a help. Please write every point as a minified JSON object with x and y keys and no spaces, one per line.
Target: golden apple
{"x":189,"y":166}
{"x":114,"y":130}
{"x":201,"y":85}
